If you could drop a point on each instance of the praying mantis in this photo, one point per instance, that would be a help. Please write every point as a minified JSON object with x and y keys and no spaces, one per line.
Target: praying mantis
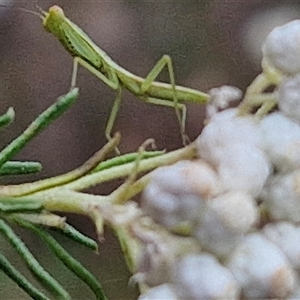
{"x":87,"y":54}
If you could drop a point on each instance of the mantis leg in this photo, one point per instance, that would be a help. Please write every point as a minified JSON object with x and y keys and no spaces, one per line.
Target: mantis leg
{"x":111,"y":82}
{"x":182,"y":112}
{"x":113,"y":114}
{"x":180,"y":109}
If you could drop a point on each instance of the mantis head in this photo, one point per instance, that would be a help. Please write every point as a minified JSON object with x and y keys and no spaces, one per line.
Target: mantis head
{"x":53,"y":18}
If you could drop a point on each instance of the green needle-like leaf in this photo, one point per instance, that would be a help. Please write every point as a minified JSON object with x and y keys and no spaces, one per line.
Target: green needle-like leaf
{"x":18,"y":206}
{"x":7,"y":118}
{"x":34,"y":266}
{"x":41,"y":122}
{"x":20,"y":168}
{"x":71,"y":263}
{"x":15,"y":205}
{"x":22,"y":282}
{"x":77,"y":236}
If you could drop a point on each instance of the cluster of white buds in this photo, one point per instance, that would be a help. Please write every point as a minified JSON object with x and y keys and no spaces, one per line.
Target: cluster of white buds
{"x":240,"y":200}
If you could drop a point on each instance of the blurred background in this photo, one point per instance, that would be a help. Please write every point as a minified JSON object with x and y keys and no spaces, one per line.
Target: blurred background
{"x":212,"y":43}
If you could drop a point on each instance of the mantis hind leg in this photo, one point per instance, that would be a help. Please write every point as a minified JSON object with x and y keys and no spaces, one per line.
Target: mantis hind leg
{"x":180,"y":109}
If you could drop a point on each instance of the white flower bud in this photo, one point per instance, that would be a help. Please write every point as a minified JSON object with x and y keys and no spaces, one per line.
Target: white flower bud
{"x":164,"y":291}
{"x":220,"y":98}
{"x":155,"y":261}
{"x":261,"y":269}
{"x":282,"y":47}
{"x":225,"y":220}
{"x":175,"y":193}
{"x":202,"y":277}
{"x":281,"y":141}
{"x":243,"y":167}
{"x":226,"y":129}
{"x":288,"y":96}
{"x":156,"y":252}
{"x":287,"y":237}
{"x":281,"y":197}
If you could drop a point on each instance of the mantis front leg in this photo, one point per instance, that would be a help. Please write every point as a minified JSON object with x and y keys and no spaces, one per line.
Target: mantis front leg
{"x":112,"y":82}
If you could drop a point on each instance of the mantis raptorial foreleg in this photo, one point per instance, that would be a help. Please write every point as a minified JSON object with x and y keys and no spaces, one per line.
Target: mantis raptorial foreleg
{"x":111,"y":82}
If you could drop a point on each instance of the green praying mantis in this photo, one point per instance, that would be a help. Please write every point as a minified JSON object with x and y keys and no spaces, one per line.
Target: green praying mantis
{"x":87,"y":54}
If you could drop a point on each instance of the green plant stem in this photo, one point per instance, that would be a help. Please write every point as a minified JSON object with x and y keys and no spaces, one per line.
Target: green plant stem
{"x":66,"y":198}
{"x":124,"y":159}
{"x":148,"y":164}
{"x":29,"y":188}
